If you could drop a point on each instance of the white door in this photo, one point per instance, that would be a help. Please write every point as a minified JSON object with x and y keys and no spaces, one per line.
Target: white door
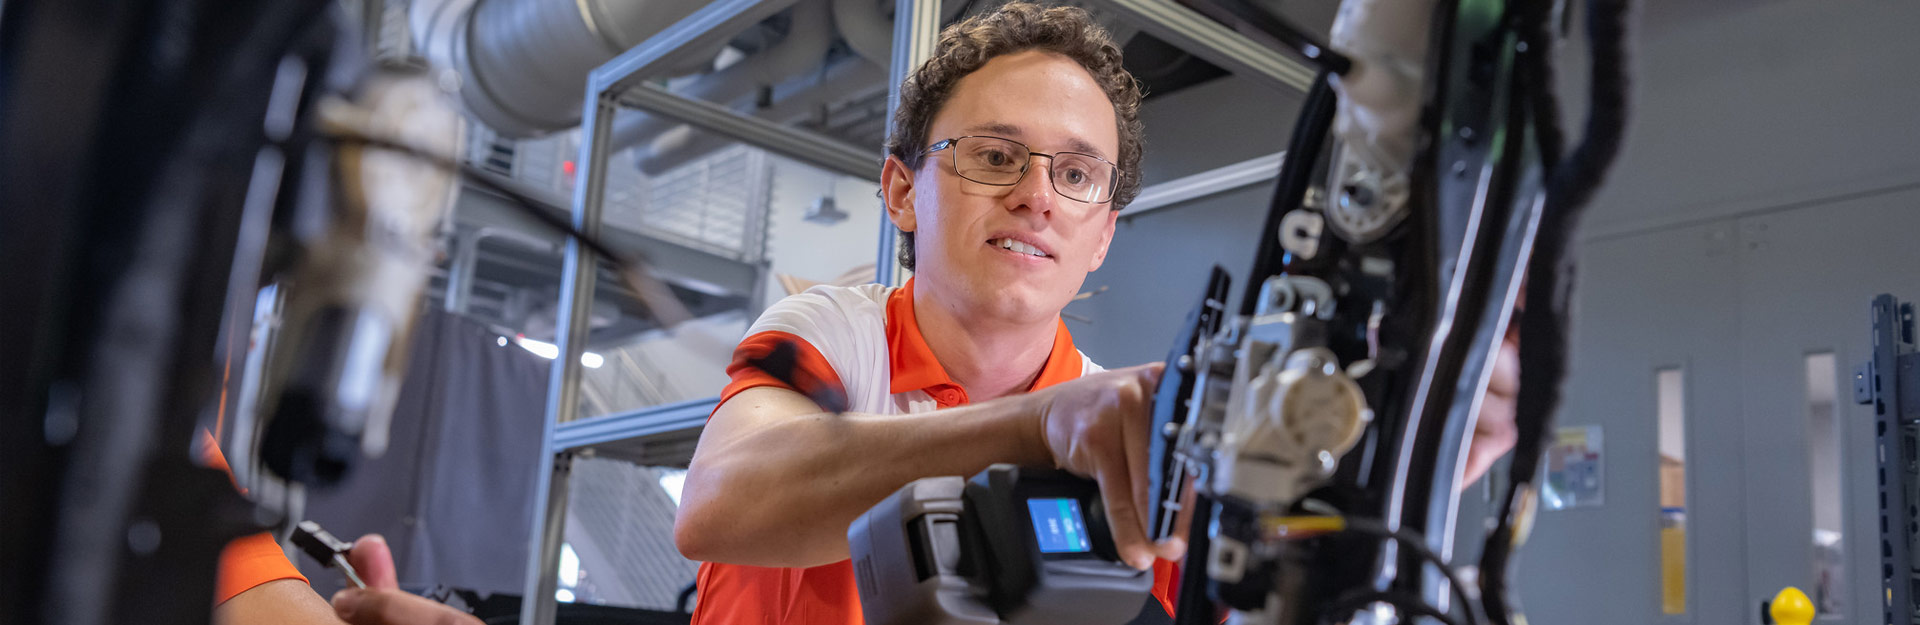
{"x":1766,"y":477}
{"x":1807,"y":277}
{"x":1665,"y":301}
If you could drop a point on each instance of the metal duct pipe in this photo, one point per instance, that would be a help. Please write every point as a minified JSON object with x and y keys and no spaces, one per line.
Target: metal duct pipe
{"x":804,"y":48}
{"x":851,"y":78}
{"x":869,"y":31}
{"x":523,"y":64}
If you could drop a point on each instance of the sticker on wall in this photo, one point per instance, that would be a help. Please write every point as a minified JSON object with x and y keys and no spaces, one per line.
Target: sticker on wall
{"x":1574,"y":475}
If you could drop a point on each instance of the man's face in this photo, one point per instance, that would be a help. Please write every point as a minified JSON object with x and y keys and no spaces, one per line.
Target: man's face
{"x":1050,"y":104}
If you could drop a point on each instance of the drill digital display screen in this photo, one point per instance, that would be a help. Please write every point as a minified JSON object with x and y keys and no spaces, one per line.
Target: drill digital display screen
{"x":1059,"y":526}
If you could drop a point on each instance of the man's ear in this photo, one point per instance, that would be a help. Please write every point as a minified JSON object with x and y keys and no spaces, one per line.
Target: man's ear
{"x":896,"y":190}
{"x":1106,"y":239}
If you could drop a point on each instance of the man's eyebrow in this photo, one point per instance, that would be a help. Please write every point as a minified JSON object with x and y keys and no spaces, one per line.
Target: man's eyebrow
{"x":1010,"y":131}
{"x":1080,"y":145}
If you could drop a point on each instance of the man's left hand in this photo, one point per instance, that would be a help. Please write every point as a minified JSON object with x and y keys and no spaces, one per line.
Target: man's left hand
{"x":383,"y":603}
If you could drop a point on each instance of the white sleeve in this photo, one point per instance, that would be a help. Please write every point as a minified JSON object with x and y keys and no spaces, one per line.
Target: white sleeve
{"x":848,"y":327}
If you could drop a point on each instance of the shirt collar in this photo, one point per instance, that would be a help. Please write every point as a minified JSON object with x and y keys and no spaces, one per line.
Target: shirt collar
{"x":914,"y":366}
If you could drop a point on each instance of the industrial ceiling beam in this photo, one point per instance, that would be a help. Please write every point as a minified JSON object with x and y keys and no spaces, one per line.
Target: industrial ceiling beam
{"x":796,"y":143}
{"x":1200,"y":35}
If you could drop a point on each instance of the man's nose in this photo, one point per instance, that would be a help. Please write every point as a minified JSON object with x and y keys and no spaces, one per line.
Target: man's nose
{"x":1035,"y":190}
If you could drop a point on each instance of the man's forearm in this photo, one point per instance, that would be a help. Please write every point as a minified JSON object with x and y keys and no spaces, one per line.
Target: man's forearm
{"x":784,"y":493}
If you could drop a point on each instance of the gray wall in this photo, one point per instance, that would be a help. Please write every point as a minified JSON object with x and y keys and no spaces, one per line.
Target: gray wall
{"x":1754,"y":105}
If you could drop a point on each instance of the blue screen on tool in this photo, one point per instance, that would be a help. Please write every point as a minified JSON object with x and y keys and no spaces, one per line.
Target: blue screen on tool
{"x":1058,"y":525}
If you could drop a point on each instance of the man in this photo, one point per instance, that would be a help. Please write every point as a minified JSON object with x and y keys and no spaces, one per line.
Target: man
{"x":1016,"y":147}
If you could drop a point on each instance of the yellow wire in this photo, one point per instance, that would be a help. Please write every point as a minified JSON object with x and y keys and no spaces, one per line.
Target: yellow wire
{"x":1294,"y":525}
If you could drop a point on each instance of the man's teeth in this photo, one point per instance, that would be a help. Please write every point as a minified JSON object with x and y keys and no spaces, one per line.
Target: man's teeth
{"x":1010,"y":244}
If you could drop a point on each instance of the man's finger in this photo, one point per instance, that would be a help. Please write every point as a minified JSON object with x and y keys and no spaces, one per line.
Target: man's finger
{"x":1116,"y":494}
{"x":394,"y":607}
{"x":1135,"y":435}
{"x":1151,"y":372}
{"x":373,"y":560}
{"x":1494,"y":434}
{"x":1174,"y":548}
{"x":1506,"y":367}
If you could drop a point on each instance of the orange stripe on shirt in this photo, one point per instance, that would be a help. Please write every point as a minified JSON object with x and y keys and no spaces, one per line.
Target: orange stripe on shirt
{"x":745,"y":376}
{"x":248,"y":561}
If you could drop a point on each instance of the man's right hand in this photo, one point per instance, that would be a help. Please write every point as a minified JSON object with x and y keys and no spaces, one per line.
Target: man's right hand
{"x":1099,"y":427}
{"x":383,"y":603}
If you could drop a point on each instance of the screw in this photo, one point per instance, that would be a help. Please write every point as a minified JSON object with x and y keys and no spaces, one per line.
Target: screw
{"x":1354,"y":195}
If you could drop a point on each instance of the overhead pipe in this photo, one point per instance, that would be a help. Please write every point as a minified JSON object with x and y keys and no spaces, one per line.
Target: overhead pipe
{"x":523,"y":64}
{"x":869,"y":31}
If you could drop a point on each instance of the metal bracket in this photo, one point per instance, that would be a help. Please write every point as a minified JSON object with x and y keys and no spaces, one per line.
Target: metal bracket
{"x":1890,"y":382}
{"x":1207,"y":183}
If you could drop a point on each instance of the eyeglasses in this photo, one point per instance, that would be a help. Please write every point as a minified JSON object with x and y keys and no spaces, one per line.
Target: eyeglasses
{"x":1003,"y":162}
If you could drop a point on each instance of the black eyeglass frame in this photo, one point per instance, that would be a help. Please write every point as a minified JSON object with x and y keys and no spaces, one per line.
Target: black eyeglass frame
{"x":1113,"y":182}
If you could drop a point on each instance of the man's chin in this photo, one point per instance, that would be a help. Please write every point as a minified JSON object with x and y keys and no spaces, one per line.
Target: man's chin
{"x":1017,"y":301}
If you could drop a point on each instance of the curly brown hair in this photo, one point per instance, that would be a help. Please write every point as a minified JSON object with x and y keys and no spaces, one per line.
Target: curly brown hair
{"x":1017,"y":27}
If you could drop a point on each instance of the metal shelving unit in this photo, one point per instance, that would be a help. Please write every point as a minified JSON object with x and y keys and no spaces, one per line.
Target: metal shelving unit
{"x":667,"y":433}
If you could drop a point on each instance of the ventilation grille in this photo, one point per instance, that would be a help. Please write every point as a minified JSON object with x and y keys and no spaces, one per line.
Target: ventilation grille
{"x":716,"y":204}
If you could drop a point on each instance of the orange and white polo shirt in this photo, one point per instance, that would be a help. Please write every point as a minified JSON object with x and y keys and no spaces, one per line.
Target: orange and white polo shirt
{"x":866,"y":340}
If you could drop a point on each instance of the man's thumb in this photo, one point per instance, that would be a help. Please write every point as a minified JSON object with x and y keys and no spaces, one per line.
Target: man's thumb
{"x":373,"y":560}
{"x":347,"y":603}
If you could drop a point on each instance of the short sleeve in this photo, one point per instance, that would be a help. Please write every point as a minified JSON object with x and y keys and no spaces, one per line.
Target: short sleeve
{"x":248,"y":561}
{"x":839,"y":338}
{"x":808,"y":364}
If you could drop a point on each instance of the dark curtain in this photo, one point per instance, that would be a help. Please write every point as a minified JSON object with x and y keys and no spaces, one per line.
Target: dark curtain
{"x":453,"y":494}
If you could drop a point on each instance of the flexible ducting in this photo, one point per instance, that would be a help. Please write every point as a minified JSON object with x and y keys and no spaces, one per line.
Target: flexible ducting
{"x":868,"y":30}
{"x":523,"y":64}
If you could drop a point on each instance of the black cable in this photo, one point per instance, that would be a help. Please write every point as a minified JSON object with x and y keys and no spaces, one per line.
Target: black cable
{"x":1418,"y":544}
{"x":1411,"y":605}
{"x":1545,"y":324}
{"x":1536,"y":81}
{"x":1573,"y":185}
{"x":527,"y":205}
{"x":658,"y":300}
